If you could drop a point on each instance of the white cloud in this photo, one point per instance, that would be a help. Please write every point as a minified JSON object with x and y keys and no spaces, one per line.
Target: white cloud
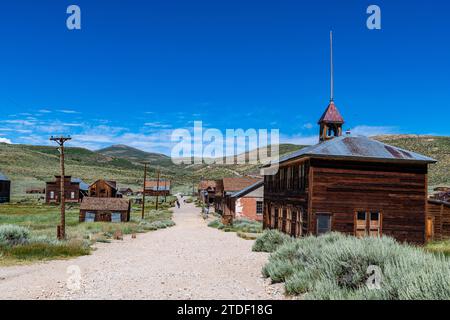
{"x":299,"y":139}
{"x":5,"y":140}
{"x":68,"y":111}
{"x":308,"y":126}
{"x":373,"y":130}
{"x":157,"y":125}
{"x":44,"y":111}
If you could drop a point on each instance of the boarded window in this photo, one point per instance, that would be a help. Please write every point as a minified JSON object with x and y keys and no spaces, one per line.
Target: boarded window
{"x":72,"y":195}
{"x":259,"y":207}
{"x":368,"y":223}
{"x":323,"y":223}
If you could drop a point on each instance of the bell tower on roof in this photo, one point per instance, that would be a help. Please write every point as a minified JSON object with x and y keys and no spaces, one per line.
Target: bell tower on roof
{"x":331,"y":120}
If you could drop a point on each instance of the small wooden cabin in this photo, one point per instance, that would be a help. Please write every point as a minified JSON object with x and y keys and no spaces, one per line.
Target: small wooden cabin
{"x":103,"y":189}
{"x":225,"y":188}
{"x":350,"y":184}
{"x":126,"y":191}
{"x":105,"y":209}
{"x":5,"y":188}
{"x":437,"y":220}
{"x":247,"y":203}
{"x":153,"y":187}
{"x":206,"y":191}
{"x":74,"y":189}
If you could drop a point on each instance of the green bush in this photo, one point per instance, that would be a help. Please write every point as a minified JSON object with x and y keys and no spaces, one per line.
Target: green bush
{"x":270,"y":241}
{"x":335,"y":266}
{"x":39,"y":251}
{"x":246,"y":225}
{"x":215,"y":224}
{"x":13,"y":235}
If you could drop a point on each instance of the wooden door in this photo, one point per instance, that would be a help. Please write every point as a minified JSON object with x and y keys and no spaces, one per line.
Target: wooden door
{"x":429,"y":229}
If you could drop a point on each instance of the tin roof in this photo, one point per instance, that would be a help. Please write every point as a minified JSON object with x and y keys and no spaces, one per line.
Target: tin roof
{"x":153,"y":184}
{"x":107,"y":204}
{"x":238,"y":183}
{"x":248,"y":189}
{"x":331,"y":115}
{"x":83,"y":185}
{"x":357,"y":147}
{"x":3,"y":177}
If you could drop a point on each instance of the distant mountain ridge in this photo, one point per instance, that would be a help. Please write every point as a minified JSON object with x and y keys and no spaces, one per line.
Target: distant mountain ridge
{"x":30,"y":166}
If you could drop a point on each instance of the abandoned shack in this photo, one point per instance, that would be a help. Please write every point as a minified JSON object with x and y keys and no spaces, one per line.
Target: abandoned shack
{"x":206,"y":191}
{"x":347,"y":183}
{"x":105,"y":209}
{"x":153,"y":187}
{"x":247,"y":203}
{"x":126,"y":191}
{"x":437,"y":220}
{"x":225,"y":188}
{"x":103,"y":189}
{"x":74,"y":189}
{"x":5,"y":189}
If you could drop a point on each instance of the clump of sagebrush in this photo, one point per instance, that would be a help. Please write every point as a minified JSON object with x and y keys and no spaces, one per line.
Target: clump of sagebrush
{"x":216,"y":224}
{"x":270,"y":241}
{"x":335,"y":266}
{"x":13,"y":235}
{"x":246,"y":225}
{"x":155,"y":225}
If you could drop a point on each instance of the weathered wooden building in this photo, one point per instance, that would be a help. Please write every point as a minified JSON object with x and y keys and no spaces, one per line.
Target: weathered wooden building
{"x":104,"y":209}
{"x":437,"y":225}
{"x":153,"y":187}
{"x":225,"y":188}
{"x":246,"y":203}
{"x":126,"y":191}
{"x":74,"y":189}
{"x":206,"y":191}
{"x":351,"y":184}
{"x":103,"y":189}
{"x":5,"y":188}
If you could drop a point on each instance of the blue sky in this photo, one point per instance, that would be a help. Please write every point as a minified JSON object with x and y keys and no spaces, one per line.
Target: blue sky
{"x":139,"y":69}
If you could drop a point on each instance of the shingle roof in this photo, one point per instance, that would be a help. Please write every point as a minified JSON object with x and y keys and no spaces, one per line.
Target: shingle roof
{"x":238,"y":183}
{"x":107,"y":204}
{"x":3,"y":177}
{"x":331,"y":115}
{"x":357,"y":147}
{"x":248,"y":189}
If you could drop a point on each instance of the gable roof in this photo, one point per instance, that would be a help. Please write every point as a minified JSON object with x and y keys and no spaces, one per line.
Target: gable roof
{"x":238,"y":183}
{"x":3,"y":177}
{"x":357,"y":148}
{"x":331,"y":115}
{"x":107,"y":204}
{"x":205,"y":184}
{"x":248,"y":189}
{"x":111,"y":183}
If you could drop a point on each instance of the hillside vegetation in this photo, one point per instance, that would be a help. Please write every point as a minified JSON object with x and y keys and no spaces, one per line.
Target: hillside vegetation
{"x":30,"y":166}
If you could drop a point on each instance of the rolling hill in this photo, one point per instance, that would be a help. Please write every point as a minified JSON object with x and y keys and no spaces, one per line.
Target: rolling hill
{"x":30,"y":166}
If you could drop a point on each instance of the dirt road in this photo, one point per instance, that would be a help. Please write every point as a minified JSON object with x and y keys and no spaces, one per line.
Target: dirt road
{"x":187,"y":261}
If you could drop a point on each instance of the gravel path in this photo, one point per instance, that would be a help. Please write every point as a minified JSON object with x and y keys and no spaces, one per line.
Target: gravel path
{"x":187,"y":261}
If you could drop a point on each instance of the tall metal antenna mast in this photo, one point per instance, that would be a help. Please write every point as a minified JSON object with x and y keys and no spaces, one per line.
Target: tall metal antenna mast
{"x":331,"y":68}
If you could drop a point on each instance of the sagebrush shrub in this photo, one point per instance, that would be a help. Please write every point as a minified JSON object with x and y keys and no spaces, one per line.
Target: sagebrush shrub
{"x":270,"y":240}
{"x":335,"y":266}
{"x":13,"y":235}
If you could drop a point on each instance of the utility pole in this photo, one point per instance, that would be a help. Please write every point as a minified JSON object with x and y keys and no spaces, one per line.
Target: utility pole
{"x":143,"y":190}
{"x":157,"y":188}
{"x":61,"y":229}
{"x":165,"y":190}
